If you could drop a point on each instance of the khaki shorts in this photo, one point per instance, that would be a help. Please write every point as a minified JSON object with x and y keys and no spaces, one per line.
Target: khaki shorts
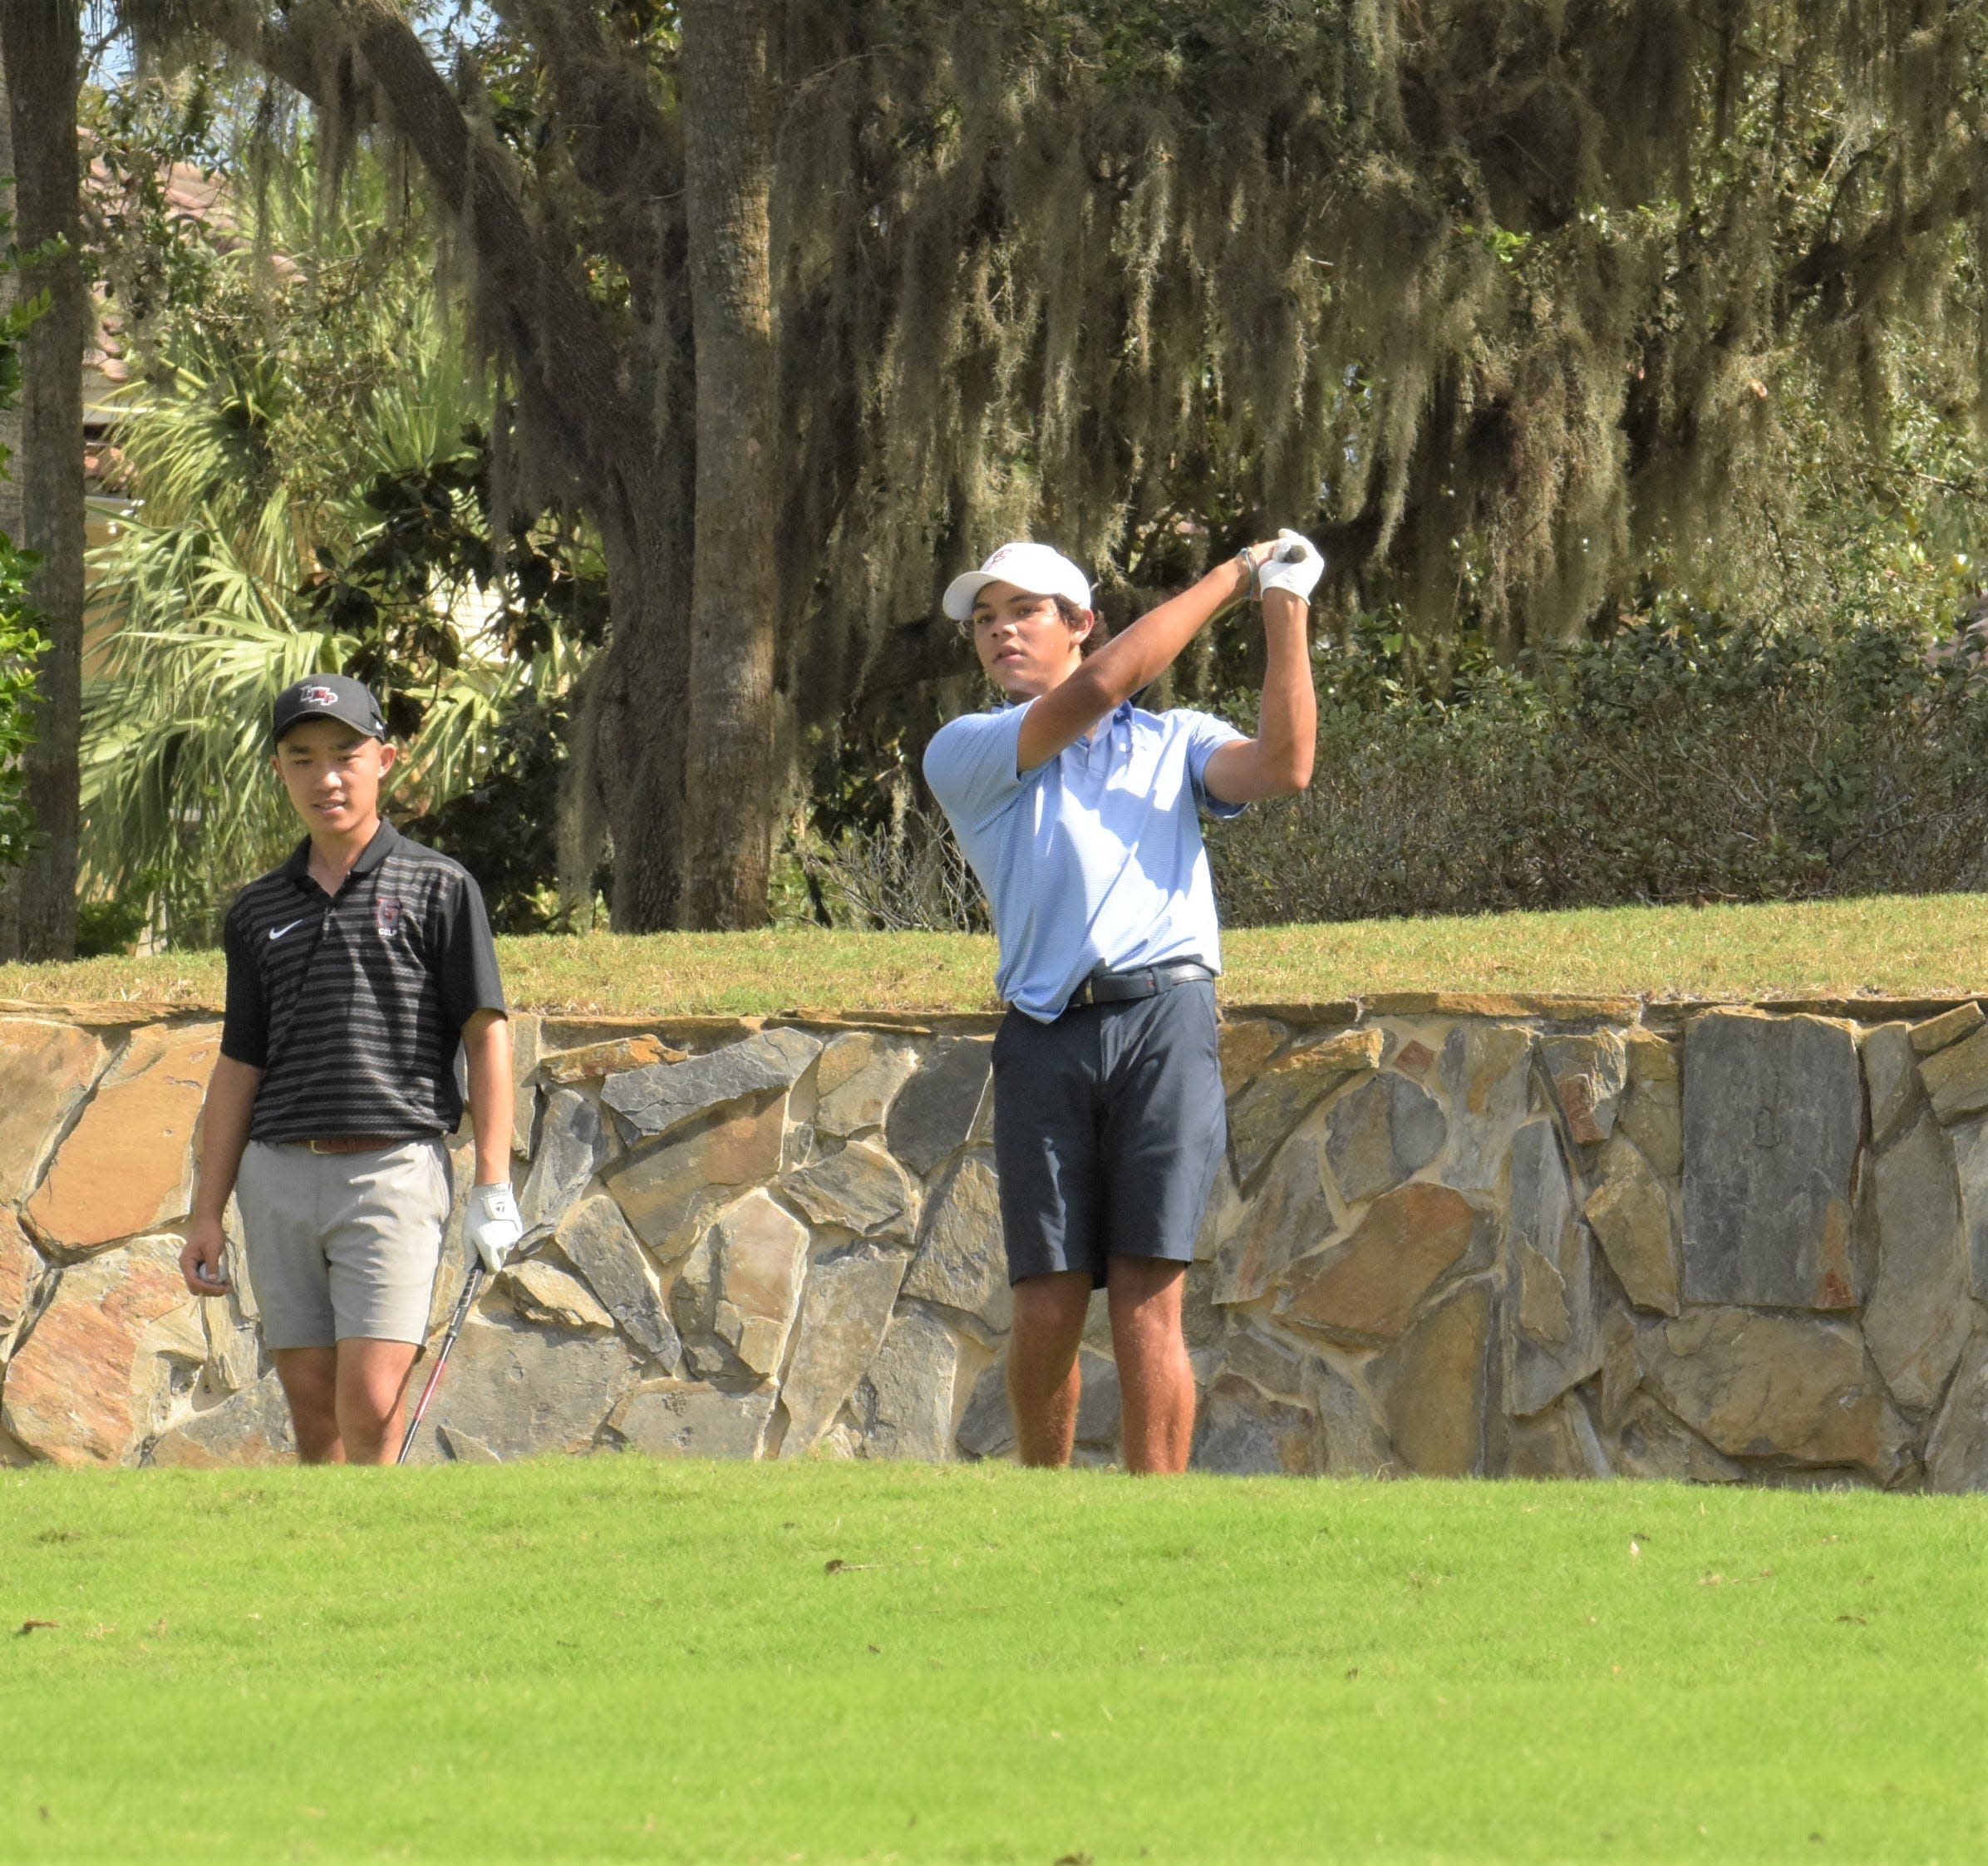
{"x":343,"y":1245}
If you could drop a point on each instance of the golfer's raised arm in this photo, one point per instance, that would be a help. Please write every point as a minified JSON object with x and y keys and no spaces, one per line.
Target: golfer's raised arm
{"x":1278,"y":761}
{"x":1131,"y":659}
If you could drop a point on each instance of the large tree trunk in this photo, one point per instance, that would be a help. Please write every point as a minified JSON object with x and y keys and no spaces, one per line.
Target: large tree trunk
{"x":40,"y":42}
{"x":638,"y":750}
{"x":10,"y":292}
{"x":728,"y":793}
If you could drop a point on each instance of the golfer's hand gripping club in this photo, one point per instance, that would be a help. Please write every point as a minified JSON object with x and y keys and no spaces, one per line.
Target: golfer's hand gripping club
{"x":1295,"y":565}
{"x":491,"y":1224}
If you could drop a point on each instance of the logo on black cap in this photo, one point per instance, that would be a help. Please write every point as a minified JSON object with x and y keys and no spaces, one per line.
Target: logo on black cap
{"x":337,"y":697}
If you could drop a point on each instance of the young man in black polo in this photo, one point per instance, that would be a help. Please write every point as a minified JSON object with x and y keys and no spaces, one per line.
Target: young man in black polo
{"x":354,"y":969}
{"x":1079,"y":813}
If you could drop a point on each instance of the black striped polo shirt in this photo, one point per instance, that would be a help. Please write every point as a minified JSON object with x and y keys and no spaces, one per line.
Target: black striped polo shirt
{"x":352,"y":1004}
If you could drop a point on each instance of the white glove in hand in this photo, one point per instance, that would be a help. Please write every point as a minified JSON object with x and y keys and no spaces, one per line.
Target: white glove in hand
{"x":492,"y":1224}
{"x":1302,"y":578}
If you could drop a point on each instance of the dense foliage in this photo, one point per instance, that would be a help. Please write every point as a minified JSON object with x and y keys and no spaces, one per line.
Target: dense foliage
{"x":1498,"y":297}
{"x":308,"y":456}
{"x":20,"y":646}
{"x":20,"y":641}
{"x":1684,"y":758}
{"x":1513,"y":302}
{"x":1542,"y":317}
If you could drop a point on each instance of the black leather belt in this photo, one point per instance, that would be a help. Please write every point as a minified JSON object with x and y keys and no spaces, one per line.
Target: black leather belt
{"x":1118,"y":987}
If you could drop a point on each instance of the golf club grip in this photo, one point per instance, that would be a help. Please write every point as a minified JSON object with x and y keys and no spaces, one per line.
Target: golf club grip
{"x":1288,"y":553}
{"x":471,"y":1284}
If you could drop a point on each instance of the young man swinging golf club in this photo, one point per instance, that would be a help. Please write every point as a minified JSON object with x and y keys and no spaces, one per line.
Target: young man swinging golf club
{"x":353,"y":971}
{"x":1078,"y":812}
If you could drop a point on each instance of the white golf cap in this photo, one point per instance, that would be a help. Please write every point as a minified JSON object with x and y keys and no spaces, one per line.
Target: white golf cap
{"x":1033,"y":568}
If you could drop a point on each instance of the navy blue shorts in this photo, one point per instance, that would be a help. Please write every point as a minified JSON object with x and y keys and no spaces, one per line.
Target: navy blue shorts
{"x":1109,"y":1129}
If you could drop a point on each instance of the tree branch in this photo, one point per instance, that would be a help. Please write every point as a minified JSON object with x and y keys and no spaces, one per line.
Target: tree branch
{"x":1951,"y":485}
{"x":306,"y":46}
{"x":623,"y":147}
{"x":564,"y":357}
{"x":552,"y":334}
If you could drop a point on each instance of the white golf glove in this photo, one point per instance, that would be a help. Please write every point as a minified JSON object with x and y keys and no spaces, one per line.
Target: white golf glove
{"x":491,"y":1224}
{"x":1300,"y":578}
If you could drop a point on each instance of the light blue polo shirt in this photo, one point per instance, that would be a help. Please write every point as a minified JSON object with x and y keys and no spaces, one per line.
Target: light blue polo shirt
{"x":1092,"y":859}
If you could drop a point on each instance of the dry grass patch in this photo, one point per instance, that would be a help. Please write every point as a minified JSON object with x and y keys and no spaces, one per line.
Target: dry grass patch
{"x":1906,"y":945}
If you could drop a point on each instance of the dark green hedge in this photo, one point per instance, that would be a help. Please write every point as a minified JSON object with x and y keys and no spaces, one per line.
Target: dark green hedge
{"x":1683,"y":758}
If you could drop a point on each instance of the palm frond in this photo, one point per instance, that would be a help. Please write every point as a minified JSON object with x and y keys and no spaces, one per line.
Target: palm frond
{"x":252,"y":441}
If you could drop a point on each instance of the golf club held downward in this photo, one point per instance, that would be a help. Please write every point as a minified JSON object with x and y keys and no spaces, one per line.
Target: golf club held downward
{"x":472,"y":1288}
{"x":472,"y":1285}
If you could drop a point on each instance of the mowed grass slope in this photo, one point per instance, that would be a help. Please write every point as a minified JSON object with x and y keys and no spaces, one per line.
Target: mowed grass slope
{"x":614,"y":1659}
{"x":1924,"y":946}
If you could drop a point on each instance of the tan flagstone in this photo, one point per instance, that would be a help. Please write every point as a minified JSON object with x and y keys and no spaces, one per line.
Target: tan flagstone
{"x":127,"y":1165}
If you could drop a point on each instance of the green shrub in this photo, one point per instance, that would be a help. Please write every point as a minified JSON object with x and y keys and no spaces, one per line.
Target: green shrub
{"x":22,"y":644}
{"x":106,"y":928}
{"x":1685,"y":757}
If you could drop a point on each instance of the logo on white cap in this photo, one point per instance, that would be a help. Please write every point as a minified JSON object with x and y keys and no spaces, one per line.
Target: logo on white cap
{"x":1033,"y":568}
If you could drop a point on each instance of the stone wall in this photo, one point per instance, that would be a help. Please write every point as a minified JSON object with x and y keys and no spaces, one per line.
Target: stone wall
{"x":1517,"y":1236}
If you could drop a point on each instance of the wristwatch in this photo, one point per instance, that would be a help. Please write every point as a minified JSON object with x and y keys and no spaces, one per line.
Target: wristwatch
{"x":1250,"y":564}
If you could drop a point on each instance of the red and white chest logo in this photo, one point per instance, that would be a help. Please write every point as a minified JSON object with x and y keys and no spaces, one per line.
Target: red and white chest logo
{"x":387,"y":916}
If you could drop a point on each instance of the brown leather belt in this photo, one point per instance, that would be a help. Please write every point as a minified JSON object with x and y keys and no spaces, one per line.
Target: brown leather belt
{"x":353,"y":1144}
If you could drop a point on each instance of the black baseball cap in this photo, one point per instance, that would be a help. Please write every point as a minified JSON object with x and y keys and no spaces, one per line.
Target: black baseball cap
{"x":328,"y":697}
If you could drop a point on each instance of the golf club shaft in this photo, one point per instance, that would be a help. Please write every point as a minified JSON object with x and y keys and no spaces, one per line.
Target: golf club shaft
{"x":471,"y":1284}
{"x":1284,"y":554}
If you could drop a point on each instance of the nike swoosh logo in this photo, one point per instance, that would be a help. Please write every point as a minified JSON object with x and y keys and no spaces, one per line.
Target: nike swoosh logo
{"x":277,"y":933}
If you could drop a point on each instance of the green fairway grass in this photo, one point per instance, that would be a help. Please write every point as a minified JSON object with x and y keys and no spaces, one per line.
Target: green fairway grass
{"x":1914,"y":945}
{"x":615,"y":1660}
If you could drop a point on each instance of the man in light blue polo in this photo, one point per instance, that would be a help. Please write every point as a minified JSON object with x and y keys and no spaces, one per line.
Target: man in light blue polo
{"x":1080,"y":814}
